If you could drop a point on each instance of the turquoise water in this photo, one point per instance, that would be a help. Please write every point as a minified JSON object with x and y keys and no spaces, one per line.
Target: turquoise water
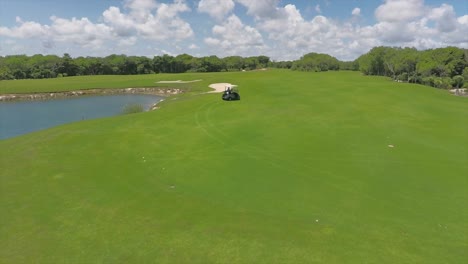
{"x":18,"y":118}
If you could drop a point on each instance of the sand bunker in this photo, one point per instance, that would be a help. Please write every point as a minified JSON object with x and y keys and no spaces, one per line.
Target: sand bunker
{"x":178,"y":81}
{"x":219,"y":87}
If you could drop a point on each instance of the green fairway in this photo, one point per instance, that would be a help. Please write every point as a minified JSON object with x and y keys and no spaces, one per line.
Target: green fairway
{"x":330,"y":167}
{"x":99,"y":81}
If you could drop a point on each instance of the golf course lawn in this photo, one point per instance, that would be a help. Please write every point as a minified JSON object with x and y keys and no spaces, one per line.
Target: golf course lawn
{"x":332,"y":167}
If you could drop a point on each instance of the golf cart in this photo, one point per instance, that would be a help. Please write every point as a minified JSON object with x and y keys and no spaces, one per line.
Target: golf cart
{"x":231,"y":93}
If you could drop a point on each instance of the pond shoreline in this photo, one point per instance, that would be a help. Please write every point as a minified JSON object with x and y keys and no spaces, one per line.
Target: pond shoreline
{"x":65,"y":94}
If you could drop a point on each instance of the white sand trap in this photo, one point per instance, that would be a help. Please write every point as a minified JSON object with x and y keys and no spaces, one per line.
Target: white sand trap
{"x":220,"y":87}
{"x":179,"y":81}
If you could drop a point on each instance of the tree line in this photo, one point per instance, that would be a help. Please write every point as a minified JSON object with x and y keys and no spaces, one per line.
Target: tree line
{"x":51,"y":66}
{"x":318,"y":62}
{"x":441,"y":68}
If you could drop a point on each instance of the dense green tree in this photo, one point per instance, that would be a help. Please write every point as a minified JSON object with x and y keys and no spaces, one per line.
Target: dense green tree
{"x":213,"y":64}
{"x":349,"y":65}
{"x":434,"y":67}
{"x":5,"y":73}
{"x":316,"y":62}
{"x":457,"y":81}
{"x":443,"y":62}
{"x":250,"y":63}
{"x":263,"y":61}
{"x":376,"y":62}
{"x":67,"y":66}
{"x":184,"y":62}
{"x":281,"y":64}
{"x":234,"y":63}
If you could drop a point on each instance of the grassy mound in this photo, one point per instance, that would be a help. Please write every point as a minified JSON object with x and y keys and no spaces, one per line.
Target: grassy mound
{"x":308,"y":167}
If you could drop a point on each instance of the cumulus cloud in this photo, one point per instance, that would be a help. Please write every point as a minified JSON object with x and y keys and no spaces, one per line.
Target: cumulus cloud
{"x":290,"y":31}
{"x":78,"y":31}
{"x":235,"y":38}
{"x":413,"y":25}
{"x":356,"y":11}
{"x":317,"y":9}
{"x":399,"y":23}
{"x":445,"y":18}
{"x":147,"y":19}
{"x":23,"y":30}
{"x":274,"y":28}
{"x":261,"y":8}
{"x":127,"y":42}
{"x":140,"y":5}
{"x":216,"y":8}
{"x":122,"y":25}
{"x":399,"y":10}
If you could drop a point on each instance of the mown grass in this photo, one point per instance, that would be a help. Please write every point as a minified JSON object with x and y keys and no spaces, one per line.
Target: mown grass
{"x":299,"y":171}
{"x":100,"y":82}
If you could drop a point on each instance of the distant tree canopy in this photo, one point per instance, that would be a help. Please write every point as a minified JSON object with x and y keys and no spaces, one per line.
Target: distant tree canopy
{"x":316,"y":62}
{"x":51,"y":66}
{"x":441,"y":68}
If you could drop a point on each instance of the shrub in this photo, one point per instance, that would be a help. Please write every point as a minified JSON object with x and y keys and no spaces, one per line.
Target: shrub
{"x":132,"y":109}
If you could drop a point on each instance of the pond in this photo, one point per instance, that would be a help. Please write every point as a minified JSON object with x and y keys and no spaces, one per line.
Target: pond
{"x":21,"y":117}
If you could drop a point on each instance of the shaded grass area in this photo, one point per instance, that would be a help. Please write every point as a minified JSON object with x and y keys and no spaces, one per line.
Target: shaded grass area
{"x":298,"y":171}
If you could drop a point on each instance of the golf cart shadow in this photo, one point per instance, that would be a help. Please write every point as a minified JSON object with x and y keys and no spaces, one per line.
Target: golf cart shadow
{"x":231,"y":93}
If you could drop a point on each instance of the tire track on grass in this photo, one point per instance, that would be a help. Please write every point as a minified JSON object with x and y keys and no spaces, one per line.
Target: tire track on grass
{"x":206,"y":127}
{"x":205,"y":123}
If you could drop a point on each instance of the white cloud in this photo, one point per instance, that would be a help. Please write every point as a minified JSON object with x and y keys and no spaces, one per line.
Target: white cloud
{"x":78,"y":31}
{"x":145,"y":18}
{"x":445,"y":18}
{"x":235,"y":38}
{"x":140,"y":5}
{"x":216,"y":8}
{"x":122,"y":25}
{"x":292,"y":33}
{"x":128,"y":41}
{"x":399,"y":10}
{"x":400,"y":23}
{"x":193,"y":46}
{"x":463,"y":20}
{"x":415,"y":28}
{"x":276,"y":30}
{"x":261,"y":8}
{"x":356,"y":11}
{"x":27,"y":29}
{"x":317,"y":9}
{"x":150,"y":20}
{"x":212,"y":41}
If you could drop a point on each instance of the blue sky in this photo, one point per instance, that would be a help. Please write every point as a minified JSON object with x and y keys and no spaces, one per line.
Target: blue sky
{"x":281,"y":29}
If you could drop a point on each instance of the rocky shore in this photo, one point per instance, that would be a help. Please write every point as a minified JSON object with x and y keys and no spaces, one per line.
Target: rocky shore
{"x":53,"y":95}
